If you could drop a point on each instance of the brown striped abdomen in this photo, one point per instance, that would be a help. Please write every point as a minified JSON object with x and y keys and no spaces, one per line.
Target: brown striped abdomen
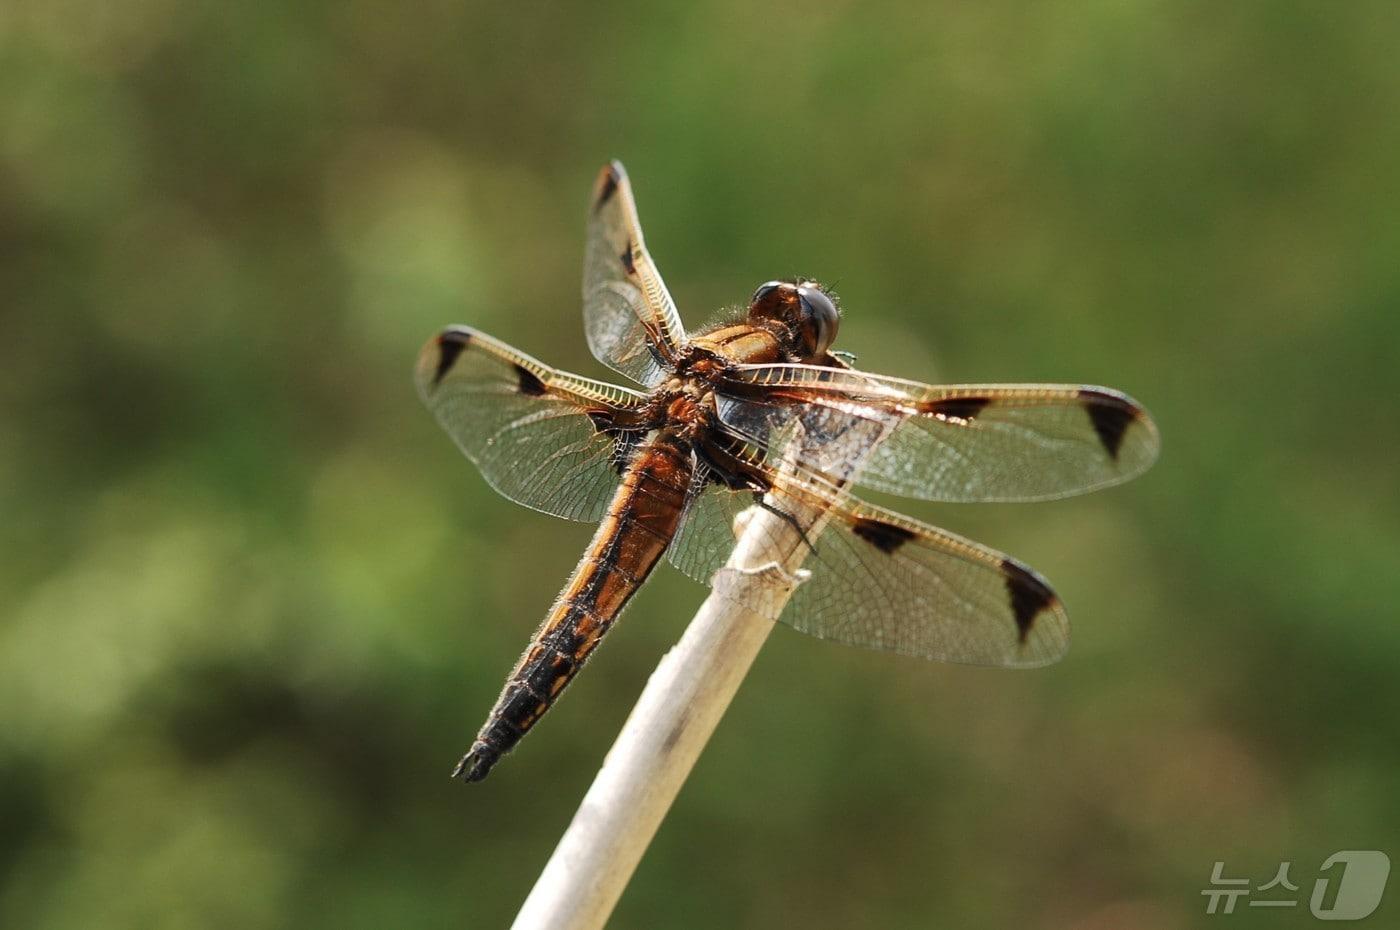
{"x":641,"y":521}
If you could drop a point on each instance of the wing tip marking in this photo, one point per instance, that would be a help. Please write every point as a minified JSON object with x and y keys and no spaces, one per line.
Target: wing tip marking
{"x":1030,"y":596}
{"x":1111,"y":415}
{"x":609,"y":180}
{"x":451,"y":343}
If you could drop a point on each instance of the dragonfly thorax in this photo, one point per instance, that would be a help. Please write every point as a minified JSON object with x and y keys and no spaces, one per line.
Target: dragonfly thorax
{"x":689,"y":410}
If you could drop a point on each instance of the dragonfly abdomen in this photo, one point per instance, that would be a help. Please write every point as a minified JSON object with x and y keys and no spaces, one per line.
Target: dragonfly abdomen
{"x":642,"y":519}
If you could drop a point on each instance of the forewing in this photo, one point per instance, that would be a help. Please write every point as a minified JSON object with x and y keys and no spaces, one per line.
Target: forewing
{"x":543,"y":438}
{"x":884,"y":581}
{"x":948,"y":443}
{"x":632,"y":323}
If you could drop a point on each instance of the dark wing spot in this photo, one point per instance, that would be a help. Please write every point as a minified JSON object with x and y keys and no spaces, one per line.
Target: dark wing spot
{"x":883,"y":536}
{"x":530,"y":385}
{"x":1029,"y":596}
{"x":450,"y":345}
{"x":608,"y":186}
{"x":1110,"y":415}
{"x":955,"y":408}
{"x":627,"y":261}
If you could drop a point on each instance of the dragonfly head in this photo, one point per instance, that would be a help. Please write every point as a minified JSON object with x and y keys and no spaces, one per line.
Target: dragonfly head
{"x":808,"y":314}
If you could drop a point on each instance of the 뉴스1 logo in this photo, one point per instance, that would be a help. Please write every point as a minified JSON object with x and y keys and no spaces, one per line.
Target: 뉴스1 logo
{"x":1349,"y":887}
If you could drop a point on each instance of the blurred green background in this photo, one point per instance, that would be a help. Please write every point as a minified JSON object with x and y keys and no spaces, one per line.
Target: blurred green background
{"x":255,"y":605}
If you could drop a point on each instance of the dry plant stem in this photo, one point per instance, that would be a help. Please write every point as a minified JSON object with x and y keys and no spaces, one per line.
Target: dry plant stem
{"x":678,"y":710}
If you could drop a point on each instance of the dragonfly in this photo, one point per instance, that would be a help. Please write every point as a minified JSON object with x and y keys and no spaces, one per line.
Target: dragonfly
{"x":759,"y":409}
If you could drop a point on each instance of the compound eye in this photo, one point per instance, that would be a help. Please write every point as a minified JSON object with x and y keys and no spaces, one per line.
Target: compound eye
{"x":820,"y":320}
{"x":771,"y":300}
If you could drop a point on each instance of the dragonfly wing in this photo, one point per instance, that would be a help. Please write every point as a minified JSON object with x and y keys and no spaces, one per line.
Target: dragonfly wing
{"x":951,"y":443}
{"x":884,"y":581}
{"x":630,"y":320}
{"x":549,"y":440}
